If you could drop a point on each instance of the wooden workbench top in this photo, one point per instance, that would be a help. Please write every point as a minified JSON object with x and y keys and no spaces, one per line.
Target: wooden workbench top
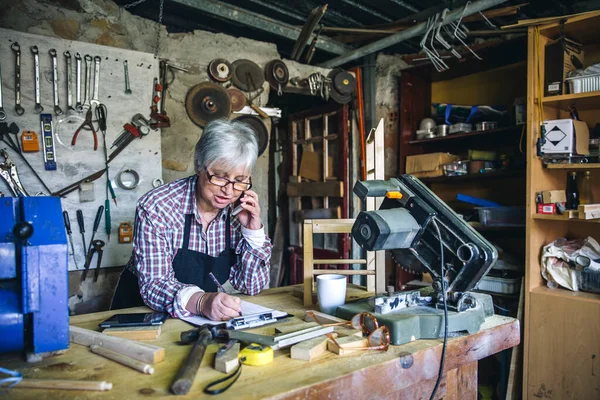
{"x":371,"y":374}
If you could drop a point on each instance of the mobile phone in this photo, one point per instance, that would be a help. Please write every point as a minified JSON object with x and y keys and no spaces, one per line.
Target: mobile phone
{"x":237,"y":207}
{"x":137,"y":319}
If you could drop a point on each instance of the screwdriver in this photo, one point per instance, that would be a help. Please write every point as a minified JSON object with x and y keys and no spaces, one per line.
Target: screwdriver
{"x":82,"y":230}
{"x":94,"y":230}
{"x":68,"y":226}
{"x":101,"y":116}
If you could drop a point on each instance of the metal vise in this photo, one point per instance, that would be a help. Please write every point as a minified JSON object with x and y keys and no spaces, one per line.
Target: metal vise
{"x":34,"y":314}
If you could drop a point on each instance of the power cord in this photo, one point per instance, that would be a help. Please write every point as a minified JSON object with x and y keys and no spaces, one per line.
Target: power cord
{"x":441,"y":371}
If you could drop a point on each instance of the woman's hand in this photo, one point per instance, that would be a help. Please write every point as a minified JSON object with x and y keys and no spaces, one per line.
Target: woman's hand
{"x":249,"y":217}
{"x":220,"y":306}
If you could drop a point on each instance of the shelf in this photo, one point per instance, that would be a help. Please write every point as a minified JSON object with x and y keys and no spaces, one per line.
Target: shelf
{"x":563,"y":218}
{"x":583,"y":101}
{"x":467,"y":135}
{"x":567,"y":294}
{"x":574,"y":166}
{"x":493,"y":228}
{"x":475,"y":177}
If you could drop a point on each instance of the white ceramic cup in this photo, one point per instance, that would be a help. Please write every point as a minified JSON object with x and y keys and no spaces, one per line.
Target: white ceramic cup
{"x":331,"y":292}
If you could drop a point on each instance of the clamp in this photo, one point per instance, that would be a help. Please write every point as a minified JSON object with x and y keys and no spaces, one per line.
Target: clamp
{"x":97,"y":246}
{"x":88,"y":125}
{"x":8,"y":172}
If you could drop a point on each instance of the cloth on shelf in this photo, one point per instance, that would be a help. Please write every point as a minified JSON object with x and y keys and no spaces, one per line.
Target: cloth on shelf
{"x":563,"y":260}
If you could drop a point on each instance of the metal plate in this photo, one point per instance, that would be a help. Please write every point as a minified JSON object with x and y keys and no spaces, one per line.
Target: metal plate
{"x":247,"y":75}
{"x":238,"y":99}
{"x":276,"y":73}
{"x":259,"y":129}
{"x":344,"y":83}
{"x":220,"y":70}
{"x":207,"y":101}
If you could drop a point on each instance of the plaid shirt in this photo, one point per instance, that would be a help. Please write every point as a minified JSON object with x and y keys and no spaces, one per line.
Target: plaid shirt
{"x":158,"y":234}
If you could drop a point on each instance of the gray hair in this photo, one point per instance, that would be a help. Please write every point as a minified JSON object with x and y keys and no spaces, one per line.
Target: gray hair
{"x":231,"y":143}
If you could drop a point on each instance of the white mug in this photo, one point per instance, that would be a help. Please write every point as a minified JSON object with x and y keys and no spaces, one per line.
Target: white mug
{"x":331,"y":292}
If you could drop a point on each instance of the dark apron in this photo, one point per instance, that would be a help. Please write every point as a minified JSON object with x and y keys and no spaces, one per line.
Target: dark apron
{"x":191,"y":267}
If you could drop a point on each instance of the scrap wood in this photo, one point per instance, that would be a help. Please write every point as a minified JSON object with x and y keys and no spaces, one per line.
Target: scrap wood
{"x":549,"y":20}
{"x":310,"y":349}
{"x":135,"y":332}
{"x":349,"y":345}
{"x":63,"y":384}
{"x":227,"y":360}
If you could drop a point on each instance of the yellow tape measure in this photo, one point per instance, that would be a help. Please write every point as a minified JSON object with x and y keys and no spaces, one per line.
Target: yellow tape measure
{"x":256,"y":354}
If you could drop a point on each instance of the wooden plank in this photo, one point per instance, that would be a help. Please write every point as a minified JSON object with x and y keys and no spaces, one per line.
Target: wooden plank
{"x":339,"y":261}
{"x":316,"y":139}
{"x":343,"y":225}
{"x":322,"y":317}
{"x":347,"y":345}
{"x":462,"y":383}
{"x":310,"y":349}
{"x":136,"y":350}
{"x":308,"y":262}
{"x":325,"y":156}
{"x":513,"y":387}
{"x":121,"y":359}
{"x":343,"y":272}
{"x":318,"y":213}
{"x":228,"y":360}
{"x":63,"y":384}
{"x":589,"y":211}
{"x":294,"y":326}
{"x":134,"y":332}
{"x":315,"y":189}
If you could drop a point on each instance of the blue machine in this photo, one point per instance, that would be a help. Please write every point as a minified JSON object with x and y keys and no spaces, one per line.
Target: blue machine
{"x":34,"y":313}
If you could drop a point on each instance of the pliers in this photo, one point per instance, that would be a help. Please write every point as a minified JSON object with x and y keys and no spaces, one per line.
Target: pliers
{"x":8,"y":172}
{"x":97,"y":246}
{"x":87,"y":123}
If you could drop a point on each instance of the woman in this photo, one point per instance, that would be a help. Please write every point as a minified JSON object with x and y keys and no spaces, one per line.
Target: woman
{"x":185,"y":230}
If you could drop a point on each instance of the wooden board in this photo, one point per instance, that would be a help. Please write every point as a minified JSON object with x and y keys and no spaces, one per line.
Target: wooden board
{"x":315,"y":189}
{"x":228,"y":361}
{"x":74,"y":163}
{"x":309,"y":350}
{"x":134,"y":332}
{"x":347,"y":345}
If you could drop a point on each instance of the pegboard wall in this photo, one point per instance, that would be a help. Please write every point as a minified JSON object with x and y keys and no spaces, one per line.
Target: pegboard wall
{"x":77,"y":162}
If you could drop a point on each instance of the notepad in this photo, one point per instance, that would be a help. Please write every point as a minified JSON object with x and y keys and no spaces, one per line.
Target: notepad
{"x":247,"y":309}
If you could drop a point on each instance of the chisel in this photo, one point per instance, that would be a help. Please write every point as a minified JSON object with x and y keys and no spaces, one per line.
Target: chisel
{"x":82,"y":230}
{"x":68,"y":227}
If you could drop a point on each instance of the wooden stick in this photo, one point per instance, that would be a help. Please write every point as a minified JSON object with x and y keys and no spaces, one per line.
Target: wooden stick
{"x":121,"y":359}
{"x":136,"y":350}
{"x":228,"y":360}
{"x":64,"y":384}
{"x":135,"y":332}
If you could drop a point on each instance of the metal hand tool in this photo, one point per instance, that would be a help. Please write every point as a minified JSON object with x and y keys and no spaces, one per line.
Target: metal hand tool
{"x":2,"y":113}
{"x":96,"y":248}
{"x":87,"y":124}
{"x":17,"y":50}
{"x":57,"y":109}
{"x":74,"y":186}
{"x":88,"y":80}
{"x":78,"y":104}
{"x":139,"y":127}
{"x":81,"y":224}
{"x":188,"y":370}
{"x":47,"y":130}
{"x":94,"y":230}
{"x":68,"y":228}
{"x":126,"y":71}
{"x":36,"y":70}
{"x":69,"y":62}
{"x":101,"y":116}
{"x":95,"y":102}
{"x":8,"y":172}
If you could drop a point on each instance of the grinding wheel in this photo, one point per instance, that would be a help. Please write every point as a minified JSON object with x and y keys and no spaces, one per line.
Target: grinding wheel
{"x":220,"y":70}
{"x":247,"y":75}
{"x":260,"y":130}
{"x":343,"y":85}
{"x":277,"y":74}
{"x":207,"y":101}
{"x":238,"y":99}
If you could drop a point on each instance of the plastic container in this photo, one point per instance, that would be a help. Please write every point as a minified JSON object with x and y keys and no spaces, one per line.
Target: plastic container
{"x":584,"y":84}
{"x":502,"y":216}
{"x":507,"y":282}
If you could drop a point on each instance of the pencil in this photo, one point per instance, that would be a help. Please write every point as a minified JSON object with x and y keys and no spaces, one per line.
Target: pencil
{"x":219,"y":286}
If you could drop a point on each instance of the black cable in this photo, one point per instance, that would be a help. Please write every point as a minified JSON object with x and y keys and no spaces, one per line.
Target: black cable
{"x":441,"y":371}
{"x":208,"y":389}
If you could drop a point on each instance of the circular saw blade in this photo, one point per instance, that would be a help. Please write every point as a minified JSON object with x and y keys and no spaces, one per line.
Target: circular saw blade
{"x":238,"y":99}
{"x":220,"y":70}
{"x":343,"y":85}
{"x":207,"y":101}
{"x":277,"y":74}
{"x":260,"y":130}
{"x":247,"y":75}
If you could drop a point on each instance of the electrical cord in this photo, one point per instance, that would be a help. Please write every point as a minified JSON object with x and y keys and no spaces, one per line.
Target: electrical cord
{"x":441,"y":371}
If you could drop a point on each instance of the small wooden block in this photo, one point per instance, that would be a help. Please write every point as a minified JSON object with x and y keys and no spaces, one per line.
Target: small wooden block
{"x":350,"y":344}
{"x":135,"y":332}
{"x":310,"y":349}
{"x":344,"y":331}
{"x":294,"y":327}
{"x":323,"y":318}
{"x":228,"y":361}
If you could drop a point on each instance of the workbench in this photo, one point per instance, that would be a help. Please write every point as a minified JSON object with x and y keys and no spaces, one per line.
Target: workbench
{"x":407,"y":371}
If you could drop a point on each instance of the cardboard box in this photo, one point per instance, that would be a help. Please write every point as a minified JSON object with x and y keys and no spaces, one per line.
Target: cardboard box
{"x":428,"y":165}
{"x":566,"y":136}
{"x":311,"y":166}
{"x":562,"y":57}
{"x":554,"y":196}
{"x":546,"y":208}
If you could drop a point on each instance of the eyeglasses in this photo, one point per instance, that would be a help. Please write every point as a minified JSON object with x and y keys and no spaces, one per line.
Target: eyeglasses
{"x":222,"y":182}
{"x":378,"y":336}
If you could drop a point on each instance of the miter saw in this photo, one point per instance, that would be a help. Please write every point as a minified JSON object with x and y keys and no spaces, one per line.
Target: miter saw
{"x":413,"y":223}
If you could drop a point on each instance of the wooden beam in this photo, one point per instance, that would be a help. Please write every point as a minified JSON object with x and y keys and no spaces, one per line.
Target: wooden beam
{"x":333,"y":225}
{"x":136,"y":350}
{"x":315,"y":189}
{"x":343,"y":272}
{"x":310,"y":349}
{"x":134,"y":332}
{"x":339,"y":261}
{"x":228,"y":360}
{"x":347,"y":345}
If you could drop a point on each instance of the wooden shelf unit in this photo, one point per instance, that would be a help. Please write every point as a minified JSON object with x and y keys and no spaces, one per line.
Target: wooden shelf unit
{"x":561,"y":326}
{"x":467,"y":135}
{"x":475,"y":177}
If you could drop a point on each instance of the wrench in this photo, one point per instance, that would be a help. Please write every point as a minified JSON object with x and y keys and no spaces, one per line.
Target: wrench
{"x":78,"y":105}
{"x":2,"y":113}
{"x":57,"y":109}
{"x":95,"y":102}
{"x":69,"y":61}
{"x":17,"y":50}
{"x":36,"y":68}
{"x":88,"y":80}
{"x":126,"y":68}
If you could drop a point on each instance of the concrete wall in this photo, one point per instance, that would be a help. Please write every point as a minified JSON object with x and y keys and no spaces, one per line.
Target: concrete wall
{"x":103,"y":22}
